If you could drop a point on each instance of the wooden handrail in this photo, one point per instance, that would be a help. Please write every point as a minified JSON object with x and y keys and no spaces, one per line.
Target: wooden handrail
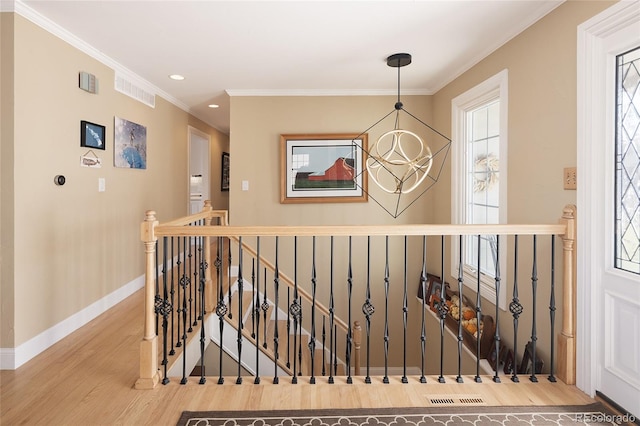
{"x":358,"y":230}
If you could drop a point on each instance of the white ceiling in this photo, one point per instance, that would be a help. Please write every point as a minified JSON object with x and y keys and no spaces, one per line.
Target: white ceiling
{"x":287,"y":47}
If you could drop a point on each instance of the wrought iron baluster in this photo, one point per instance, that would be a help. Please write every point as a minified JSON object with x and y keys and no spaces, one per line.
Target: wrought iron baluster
{"x":300,"y":338}
{"x":256,"y":326}
{"x":324,"y":345}
{"x":172,"y":293}
{"x":405,"y":314}
{"x":423,"y":331}
{"x":515,"y":307}
{"x":442,"y":311}
{"x":368,"y":309}
{"x":163,"y":308}
{"x":229,"y":313}
{"x":276,"y":332}
{"x":385,"y":379}
{"x":183,"y":381}
{"x":295,"y":309}
{"x":276,"y":285}
{"x":350,"y":329}
{"x":157,"y":292}
{"x":221,"y":307}
{"x":217,"y":263}
{"x":312,"y":340}
{"x":331,"y":315}
{"x":185,"y":283}
{"x":240,"y":325}
{"x":460,"y":282}
{"x":196,"y":280}
{"x":189,"y":305}
{"x":253,"y":300}
{"x":552,"y":309}
{"x":496,"y":377}
{"x":288,"y":327}
{"x":180,"y":267}
{"x":200,"y":257}
{"x":265,"y":308}
{"x":203,"y":266}
{"x":478,"y":379}
{"x":534,"y":289}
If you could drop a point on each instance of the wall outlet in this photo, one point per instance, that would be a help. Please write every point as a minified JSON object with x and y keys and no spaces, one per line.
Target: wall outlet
{"x":570,"y":178}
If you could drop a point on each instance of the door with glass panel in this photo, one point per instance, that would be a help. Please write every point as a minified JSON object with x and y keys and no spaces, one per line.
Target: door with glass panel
{"x":619,"y":332}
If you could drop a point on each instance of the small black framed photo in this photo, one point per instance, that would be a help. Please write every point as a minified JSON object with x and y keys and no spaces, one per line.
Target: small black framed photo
{"x":224,"y":179}
{"x":92,"y":135}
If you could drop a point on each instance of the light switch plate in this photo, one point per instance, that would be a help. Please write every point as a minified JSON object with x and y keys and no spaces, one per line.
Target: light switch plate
{"x":570,"y":178}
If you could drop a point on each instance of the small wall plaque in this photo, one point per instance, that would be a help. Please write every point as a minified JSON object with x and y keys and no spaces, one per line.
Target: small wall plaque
{"x":88,"y":82}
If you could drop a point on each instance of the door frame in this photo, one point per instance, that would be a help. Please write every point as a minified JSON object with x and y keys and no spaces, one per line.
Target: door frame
{"x":591,"y":131}
{"x":194,"y":131}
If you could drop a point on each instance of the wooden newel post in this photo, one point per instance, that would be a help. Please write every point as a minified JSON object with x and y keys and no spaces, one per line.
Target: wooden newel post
{"x":357,"y":343}
{"x":149,"y":374}
{"x":566,"y":339}
{"x":210,"y":297}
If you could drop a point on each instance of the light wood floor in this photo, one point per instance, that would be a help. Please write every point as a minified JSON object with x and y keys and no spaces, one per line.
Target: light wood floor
{"x":88,"y":377}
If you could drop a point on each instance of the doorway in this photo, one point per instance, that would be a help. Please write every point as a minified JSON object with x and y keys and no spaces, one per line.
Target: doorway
{"x":608,"y":297}
{"x":199,"y":169}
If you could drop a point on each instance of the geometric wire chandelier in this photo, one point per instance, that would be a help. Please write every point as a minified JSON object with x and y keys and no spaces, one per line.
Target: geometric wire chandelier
{"x":400,"y":162}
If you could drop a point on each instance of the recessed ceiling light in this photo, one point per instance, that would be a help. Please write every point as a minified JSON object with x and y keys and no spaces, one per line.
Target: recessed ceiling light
{"x":176,"y":77}
{"x":213,"y":106}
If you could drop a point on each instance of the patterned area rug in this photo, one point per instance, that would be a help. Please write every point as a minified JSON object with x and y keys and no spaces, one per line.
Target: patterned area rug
{"x":594,"y":414}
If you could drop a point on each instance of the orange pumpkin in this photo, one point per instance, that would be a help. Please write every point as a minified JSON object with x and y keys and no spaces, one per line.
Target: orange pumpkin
{"x":468,"y":314}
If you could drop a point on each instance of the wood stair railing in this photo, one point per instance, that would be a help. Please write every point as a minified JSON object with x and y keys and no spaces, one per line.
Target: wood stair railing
{"x":181,"y":229}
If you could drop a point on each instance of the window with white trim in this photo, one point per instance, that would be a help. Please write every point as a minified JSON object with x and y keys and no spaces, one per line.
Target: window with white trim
{"x":479,"y":184}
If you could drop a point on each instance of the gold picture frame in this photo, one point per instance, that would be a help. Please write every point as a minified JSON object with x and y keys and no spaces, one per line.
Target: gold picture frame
{"x":323,"y":168}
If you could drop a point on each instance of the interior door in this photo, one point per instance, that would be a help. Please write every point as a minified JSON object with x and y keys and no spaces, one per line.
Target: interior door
{"x":199,"y":169}
{"x":610,"y":201}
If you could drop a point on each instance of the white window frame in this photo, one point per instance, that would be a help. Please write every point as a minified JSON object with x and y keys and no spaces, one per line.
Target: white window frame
{"x":495,"y":87}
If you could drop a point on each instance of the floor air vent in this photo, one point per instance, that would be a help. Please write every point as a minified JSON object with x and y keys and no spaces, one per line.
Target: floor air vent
{"x":449,"y":400}
{"x":442,"y":401}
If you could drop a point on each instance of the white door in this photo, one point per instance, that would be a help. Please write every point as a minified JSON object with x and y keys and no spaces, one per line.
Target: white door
{"x":608,"y":274}
{"x":199,"y":169}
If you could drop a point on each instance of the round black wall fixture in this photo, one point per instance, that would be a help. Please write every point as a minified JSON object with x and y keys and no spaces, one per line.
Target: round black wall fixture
{"x":59,"y":180}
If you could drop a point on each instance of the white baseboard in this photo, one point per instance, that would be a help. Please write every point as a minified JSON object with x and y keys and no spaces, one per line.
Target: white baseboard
{"x":13,"y":358}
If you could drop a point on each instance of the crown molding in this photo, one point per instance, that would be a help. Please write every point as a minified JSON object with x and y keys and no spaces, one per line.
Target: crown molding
{"x":60,"y":32}
{"x":312,"y":92}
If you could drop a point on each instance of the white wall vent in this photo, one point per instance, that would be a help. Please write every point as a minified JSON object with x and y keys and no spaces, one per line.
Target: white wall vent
{"x":130,"y":88}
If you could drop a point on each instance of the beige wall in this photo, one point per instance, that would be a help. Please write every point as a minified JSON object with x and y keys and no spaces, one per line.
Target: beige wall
{"x":257,"y":124}
{"x":542,"y":111}
{"x":74,"y":245}
{"x":6,"y":178}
